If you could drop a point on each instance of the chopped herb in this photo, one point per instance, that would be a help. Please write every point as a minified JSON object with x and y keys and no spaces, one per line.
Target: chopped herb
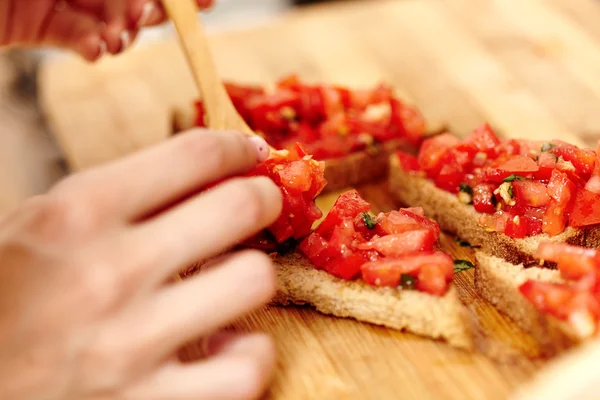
{"x":462,"y":243}
{"x":462,"y":265}
{"x":370,"y":223}
{"x":466,"y":188}
{"x":408,"y":281}
{"x":547,"y":146}
{"x":513,"y":177}
{"x":511,"y":192}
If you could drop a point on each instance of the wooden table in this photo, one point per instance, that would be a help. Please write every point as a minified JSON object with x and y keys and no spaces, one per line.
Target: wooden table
{"x":529,"y":67}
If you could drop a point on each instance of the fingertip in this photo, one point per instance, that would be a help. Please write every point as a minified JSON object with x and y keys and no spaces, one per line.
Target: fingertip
{"x":261,"y":147}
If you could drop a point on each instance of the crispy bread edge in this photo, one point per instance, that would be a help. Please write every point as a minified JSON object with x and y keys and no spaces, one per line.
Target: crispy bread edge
{"x":444,"y":318}
{"x":462,"y":220}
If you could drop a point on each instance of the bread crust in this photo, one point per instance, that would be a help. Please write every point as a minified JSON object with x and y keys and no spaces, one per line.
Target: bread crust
{"x":444,"y":318}
{"x":498,"y":282}
{"x":462,"y":220}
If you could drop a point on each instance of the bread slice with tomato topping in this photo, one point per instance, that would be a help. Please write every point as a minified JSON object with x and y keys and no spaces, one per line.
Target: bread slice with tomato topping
{"x":442,"y":318}
{"x":560,"y":308}
{"x":384,"y":269}
{"x":505,"y":196}
{"x":381,"y":269}
{"x":353,"y":131}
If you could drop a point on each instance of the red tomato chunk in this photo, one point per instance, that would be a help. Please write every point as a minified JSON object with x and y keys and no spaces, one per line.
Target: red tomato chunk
{"x":329,"y":121}
{"x":523,"y":187}
{"x":577,"y":299}
{"x":382,"y":249}
{"x":300,"y":179}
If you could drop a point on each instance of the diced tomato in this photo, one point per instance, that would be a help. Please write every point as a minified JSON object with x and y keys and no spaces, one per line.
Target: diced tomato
{"x":300,"y":180}
{"x":405,"y":220}
{"x":408,"y":162}
{"x":593,"y":184}
{"x":586,"y":209}
{"x":530,"y":193}
{"x":484,"y":199}
{"x":435,"y":277}
{"x":516,"y":226}
{"x":347,"y":267}
{"x":433,"y":271}
{"x":546,"y":164}
{"x":348,"y":205}
{"x":519,"y":164}
{"x":582,"y":159}
{"x":574,"y":262}
{"x":414,"y":210}
{"x":549,"y":297}
{"x":450,"y":177}
{"x":408,"y":120}
{"x":402,"y":243}
{"x":560,"y":190}
{"x":484,"y":139}
{"x":433,"y":149}
{"x":494,"y":222}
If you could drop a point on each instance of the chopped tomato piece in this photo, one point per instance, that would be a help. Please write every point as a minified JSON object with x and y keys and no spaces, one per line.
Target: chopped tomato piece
{"x":405,"y":220}
{"x":560,"y":189}
{"x":530,"y":193}
{"x":401,"y":243}
{"x":484,"y":200}
{"x":433,"y":149}
{"x":574,"y":262}
{"x":593,"y":184}
{"x":516,"y":226}
{"x":586,"y":209}
{"x":484,"y":139}
{"x":409,"y":163}
{"x":348,"y":205}
{"x":300,"y":180}
{"x":519,"y":164}
{"x":433,"y":271}
{"x":582,"y":159}
{"x":330,"y":121}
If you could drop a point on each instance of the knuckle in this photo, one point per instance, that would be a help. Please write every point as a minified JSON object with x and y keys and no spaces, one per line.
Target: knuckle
{"x":98,"y":285}
{"x":68,"y":205}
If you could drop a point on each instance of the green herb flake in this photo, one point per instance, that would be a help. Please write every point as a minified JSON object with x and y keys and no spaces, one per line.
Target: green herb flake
{"x":462,"y":243}
{"x":513,"y":178}
{"x":462,"y":265}
{"x":547,"y":146}
{"x":408,"y":282}
{"x":370,"y":223}
{"x":466,"y":188}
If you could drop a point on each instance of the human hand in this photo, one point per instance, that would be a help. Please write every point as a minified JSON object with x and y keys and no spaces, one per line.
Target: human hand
{"x":88,"y":27}
{"x":85,"y":308}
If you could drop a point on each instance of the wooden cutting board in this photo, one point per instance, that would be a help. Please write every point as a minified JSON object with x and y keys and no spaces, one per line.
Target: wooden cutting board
{"x":529,"y":67}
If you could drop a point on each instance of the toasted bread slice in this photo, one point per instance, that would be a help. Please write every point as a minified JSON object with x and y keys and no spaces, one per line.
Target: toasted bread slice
{"x":498,"y":282}
{"x":463,"y":221}
{"x":360,"y":167}
{"x":444,"y":318}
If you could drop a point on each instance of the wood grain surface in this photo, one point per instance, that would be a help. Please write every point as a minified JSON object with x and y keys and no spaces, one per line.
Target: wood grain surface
{"x":529,"y":67}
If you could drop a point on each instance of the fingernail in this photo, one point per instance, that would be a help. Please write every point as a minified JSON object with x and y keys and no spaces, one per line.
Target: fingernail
{"x":261,"y":147}
{"x":146,"y":16}
{"x":125,"y":37}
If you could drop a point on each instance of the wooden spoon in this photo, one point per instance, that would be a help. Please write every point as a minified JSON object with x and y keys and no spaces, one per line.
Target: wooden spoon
{"x":220,"y":111}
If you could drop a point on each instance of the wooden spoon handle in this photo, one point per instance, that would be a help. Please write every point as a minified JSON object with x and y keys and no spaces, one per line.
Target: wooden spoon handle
{"x":220,"y":112}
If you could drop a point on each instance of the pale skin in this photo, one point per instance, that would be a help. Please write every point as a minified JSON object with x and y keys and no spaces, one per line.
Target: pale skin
{"x":87,"y":308}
